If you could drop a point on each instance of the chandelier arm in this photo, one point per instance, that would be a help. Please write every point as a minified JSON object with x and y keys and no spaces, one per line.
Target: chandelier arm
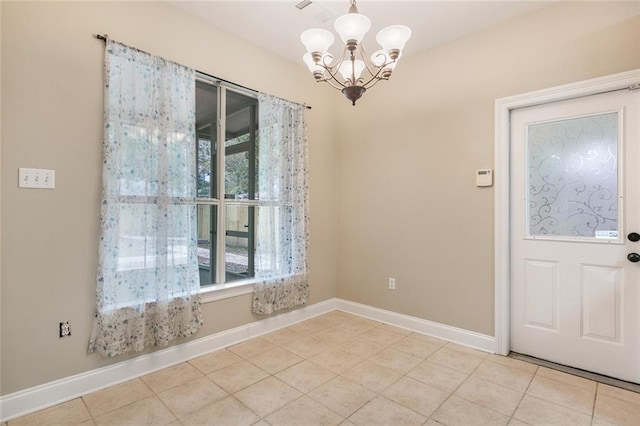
{"x":377,"y":80}
{"x":332,"y":84}
{"x":333,"y":74}
{"x":387,"y":61}
{"x":369,"y":69}
{"x":374,"y":77}
{"x":332,"y":77}
{"x":333,"y":60}
{"x":367,"y":61}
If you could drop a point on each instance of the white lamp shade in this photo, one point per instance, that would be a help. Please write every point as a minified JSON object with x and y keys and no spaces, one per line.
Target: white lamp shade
{"x":346,"y":69}
{"x":317,"y":39}
{"x":352,"y":26}
{"x":393,"y":37}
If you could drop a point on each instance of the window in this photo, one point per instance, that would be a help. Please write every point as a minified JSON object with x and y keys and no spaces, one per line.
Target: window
{"x":180,"y":200}
{"x":252,"y":194}
{"x":226,"y":182}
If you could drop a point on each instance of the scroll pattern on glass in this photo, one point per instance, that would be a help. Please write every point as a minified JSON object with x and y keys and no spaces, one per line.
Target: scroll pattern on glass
{"x":573,"y":177}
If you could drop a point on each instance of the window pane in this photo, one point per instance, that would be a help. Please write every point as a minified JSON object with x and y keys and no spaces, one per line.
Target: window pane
{"x":207,"y":244}
{"x":139,"y":144}
{"x":268,"y":243}
{"x":206,"y":119}
{"x":236,"y":179}
{"x":137,"y":242}
{"x":240,"y":146}
{"x":206,"y":169}
{"x":138,"y":247}
{"x":239,"y":242}
{"x":573,"y":177}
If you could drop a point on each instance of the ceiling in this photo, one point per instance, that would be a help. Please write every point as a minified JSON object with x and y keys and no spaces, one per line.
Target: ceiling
{"x":277,"y":25}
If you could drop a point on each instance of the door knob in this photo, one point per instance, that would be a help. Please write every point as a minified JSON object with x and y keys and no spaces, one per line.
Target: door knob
{"x":633,"y":257}
{"x":634,"y":236}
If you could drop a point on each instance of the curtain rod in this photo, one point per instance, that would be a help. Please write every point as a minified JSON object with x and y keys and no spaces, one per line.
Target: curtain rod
{"x":105,"y":37}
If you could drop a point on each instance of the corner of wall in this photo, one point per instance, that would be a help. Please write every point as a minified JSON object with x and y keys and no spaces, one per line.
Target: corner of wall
{"x":1,"y":4}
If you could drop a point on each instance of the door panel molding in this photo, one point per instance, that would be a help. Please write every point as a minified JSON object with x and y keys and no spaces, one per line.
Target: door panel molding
{"x":503,"y":108}
{"x":602,"y":287}
{"x":540,"y":296}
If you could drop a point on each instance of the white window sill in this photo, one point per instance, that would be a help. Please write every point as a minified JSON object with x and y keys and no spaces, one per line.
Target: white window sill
{"x":213,"y":293}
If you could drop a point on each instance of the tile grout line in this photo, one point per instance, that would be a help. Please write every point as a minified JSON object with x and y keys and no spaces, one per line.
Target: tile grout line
{"x":376,"y":394}
{"x":232,"y":395}
{"x":86,"y":408}
{"x":157,"y":394}
{"x":595,"y":400}
{"x":457,"y":387}
{"x":533,"y":376}
{"x":303,"y":394}
{"x":153,"y":394}
{"x":368,"y":358}
{"x":430,"y":417}
{"x":555,"y":403}
{"x":405,"y":375}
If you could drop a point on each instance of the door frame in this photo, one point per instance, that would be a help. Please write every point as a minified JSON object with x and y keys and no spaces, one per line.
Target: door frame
{"x":503,"y":108}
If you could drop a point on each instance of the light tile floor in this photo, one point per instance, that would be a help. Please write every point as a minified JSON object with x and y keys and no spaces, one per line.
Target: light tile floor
{"x":340,"y":369}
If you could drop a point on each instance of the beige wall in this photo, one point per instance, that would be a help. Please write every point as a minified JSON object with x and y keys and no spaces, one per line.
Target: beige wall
{"x":52,"y":118}
{"x":408,"y":152}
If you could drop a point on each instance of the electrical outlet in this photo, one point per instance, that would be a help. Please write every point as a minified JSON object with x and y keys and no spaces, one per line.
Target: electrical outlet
{"x":65,"y":329}
{"x":392,"y":283}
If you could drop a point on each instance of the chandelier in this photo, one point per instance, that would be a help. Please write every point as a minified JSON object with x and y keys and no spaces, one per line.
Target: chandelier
{"x":350,"y":75}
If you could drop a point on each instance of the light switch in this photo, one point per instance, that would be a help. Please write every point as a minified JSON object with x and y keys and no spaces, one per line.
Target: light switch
{"x":36,"y":178}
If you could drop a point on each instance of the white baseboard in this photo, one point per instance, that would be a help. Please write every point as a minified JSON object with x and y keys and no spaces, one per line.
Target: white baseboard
{"x":460,"y":336}
{"x":49,"y":394}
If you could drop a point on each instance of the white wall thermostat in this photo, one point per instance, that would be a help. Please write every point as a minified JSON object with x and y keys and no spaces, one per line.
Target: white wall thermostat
{"x":484,"y":177}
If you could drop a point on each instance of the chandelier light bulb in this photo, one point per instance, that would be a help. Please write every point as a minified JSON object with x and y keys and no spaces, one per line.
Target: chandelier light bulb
{"x":317,"y":40}
{"x":393,"y":37}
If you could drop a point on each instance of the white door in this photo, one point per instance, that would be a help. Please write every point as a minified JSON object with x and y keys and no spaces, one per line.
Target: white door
{"x":575,"y":206}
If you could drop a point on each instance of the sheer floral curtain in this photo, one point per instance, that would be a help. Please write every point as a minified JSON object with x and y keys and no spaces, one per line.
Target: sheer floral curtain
{"x":282,"y":219}
{"x":147,"y":284}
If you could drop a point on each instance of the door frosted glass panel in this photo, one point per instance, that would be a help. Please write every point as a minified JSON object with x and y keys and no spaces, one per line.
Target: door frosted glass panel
{"x":573,"y":177}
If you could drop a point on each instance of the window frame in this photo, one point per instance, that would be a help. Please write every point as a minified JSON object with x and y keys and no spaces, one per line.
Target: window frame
{"x":221,"y":286}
